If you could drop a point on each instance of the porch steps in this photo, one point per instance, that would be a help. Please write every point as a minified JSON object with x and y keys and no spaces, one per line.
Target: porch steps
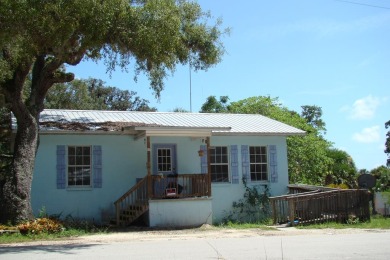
{"x":133,"y":204}
{"x":132,"y":213}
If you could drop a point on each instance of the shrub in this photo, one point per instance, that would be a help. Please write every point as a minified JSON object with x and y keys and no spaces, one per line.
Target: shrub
{"x":40,"y":225}
{"x":342,"y":186}
{"x":252,"y":208}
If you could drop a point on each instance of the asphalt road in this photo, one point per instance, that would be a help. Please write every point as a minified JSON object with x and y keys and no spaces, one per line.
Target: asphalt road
{"x":364,"y":245}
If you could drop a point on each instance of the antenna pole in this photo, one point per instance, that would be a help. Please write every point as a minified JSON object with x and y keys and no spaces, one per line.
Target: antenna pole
{"x":190,"y":89}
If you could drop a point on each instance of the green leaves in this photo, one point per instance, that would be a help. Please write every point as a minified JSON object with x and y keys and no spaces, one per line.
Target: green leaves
{"x":93,"y":94}
{"x":212,"y":105}
{"x":157,"y":35}
{"x":382,"y":176}
{"x":387,"y":144}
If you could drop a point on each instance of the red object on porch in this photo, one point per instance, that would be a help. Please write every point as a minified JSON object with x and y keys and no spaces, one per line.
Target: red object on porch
{"x":170,"y":192}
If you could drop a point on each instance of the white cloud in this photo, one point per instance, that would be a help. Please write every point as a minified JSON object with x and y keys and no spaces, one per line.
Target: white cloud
{"x":368,"y":135}
{"x":364,"y":108}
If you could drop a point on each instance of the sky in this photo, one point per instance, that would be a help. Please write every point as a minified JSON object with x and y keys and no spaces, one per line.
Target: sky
{"x":328,"y":53}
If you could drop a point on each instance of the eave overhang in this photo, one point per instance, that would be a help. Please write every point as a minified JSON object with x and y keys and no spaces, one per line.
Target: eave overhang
{"x":142,"y":131}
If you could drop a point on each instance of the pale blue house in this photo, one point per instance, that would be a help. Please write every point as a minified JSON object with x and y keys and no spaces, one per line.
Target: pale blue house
{"x":171,"y":169}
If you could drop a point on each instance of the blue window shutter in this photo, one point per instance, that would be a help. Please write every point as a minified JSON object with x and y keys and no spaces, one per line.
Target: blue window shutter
{"x":61,"y":166}
{"x":203,"y":159}
{"x":97,"y":166}
{"x":234,"y":163}
{"x":245,"y":162}
{"x":273,"y":163}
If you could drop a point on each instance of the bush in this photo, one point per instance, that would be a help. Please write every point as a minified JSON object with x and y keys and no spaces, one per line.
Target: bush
{"x":252,"y":208}
{"x":40,"y":225}
{"x":342,"y":186}
{"x":6,"y":227}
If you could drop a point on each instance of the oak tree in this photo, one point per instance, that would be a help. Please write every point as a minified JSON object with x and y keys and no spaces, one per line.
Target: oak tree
{"x":43,"y":37}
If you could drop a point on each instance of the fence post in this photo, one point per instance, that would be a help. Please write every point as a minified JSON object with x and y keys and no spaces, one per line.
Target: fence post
{"x":291,"y":204}
{"x":273,"y":202}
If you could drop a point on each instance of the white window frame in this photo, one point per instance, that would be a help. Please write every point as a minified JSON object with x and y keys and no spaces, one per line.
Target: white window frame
{"x":221,"y":164}
{"x":259,"y":163}
{"x":165,"y":163}
{"x":83,"y":165}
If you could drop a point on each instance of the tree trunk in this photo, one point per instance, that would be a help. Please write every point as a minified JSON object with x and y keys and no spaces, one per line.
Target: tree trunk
{"x":15,"y":190}
{"x":17,"y":187}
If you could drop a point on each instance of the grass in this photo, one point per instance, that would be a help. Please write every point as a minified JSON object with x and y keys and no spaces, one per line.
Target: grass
{"x":8,"y":238}
{"x":377,"y":222}
{"x":262,"y":225}
{"x":49,"y":229}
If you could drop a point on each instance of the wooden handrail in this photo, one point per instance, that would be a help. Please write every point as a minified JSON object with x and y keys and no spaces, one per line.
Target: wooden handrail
{"x":322,"y":206}
{"x":293,"y":195}
{"x":134,"y":188}
{"x":133,"y":203}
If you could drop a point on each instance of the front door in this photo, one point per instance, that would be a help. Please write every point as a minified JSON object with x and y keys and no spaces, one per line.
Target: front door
{"x":164,"y":159}
{"x":164,"y":164}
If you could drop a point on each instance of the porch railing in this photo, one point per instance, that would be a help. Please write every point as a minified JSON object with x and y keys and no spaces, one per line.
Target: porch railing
{"x":179,"y":186}
{"x":135,"y":201}
{"x":316,"y":206}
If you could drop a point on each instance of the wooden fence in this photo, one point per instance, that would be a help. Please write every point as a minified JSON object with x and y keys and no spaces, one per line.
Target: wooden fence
{"x":319,"y":206}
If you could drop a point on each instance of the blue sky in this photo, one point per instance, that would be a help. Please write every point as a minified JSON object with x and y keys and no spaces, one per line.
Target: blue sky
{"x":328,"y":53}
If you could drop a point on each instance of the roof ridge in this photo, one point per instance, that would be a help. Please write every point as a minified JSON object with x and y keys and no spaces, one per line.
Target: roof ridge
{"x":151,"y":112}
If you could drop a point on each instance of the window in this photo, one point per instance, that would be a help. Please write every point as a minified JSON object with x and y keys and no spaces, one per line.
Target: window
{"x":258,"y":163}
{"x":219,"y":164}
{"x":164,"y":160}
{"x":79,"y":166}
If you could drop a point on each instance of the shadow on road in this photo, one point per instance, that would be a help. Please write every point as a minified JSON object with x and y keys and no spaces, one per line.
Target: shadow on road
{"x":68,"y":249}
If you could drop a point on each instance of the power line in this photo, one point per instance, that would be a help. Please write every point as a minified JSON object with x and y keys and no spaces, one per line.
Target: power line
{"x":356,"y":3}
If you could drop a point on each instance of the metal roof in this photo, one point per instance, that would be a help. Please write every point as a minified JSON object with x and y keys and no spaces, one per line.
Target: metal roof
{"x":220,"y":124}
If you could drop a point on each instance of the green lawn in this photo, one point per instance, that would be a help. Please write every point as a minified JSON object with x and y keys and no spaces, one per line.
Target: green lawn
{"x":7,"y":238}
{"x":377,"y":222}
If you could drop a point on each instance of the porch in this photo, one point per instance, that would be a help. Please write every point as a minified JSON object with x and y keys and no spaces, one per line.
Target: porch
{"x":166,"y":197}
{"x":161,"y":191}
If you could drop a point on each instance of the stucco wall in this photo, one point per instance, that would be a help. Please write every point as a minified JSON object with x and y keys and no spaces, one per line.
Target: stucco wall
{"x":123,"y":160}
{"x":180,"y":213}
{"x":224,"y":194}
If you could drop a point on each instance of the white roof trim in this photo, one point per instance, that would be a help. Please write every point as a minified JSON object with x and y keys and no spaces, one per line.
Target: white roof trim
{"x":176,"y":131}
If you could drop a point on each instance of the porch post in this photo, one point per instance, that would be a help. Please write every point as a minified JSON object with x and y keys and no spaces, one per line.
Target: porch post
{"x":208,"y":166}
{"x":148,"y":167}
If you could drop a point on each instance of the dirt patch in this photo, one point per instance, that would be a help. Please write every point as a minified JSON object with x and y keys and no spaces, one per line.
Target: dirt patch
{"x":206,"y":231}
